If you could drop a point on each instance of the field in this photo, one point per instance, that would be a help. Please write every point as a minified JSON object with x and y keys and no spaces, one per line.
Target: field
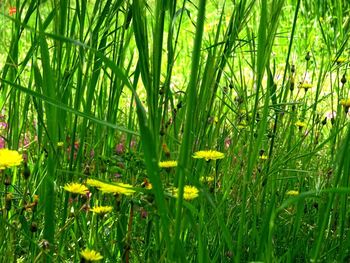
{"x":174,"y":131}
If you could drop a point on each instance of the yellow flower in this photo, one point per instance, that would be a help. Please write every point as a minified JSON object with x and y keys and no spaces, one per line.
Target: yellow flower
{"x":101,"y":209}
{"x":208,"y":155}
{"x":119,"y":188}
{"x":340,"y":60}
{"x":167,"y":164}
{"x":264,"y":157}
{"x":300,"y":124}
{"x":60,"y":144}
{"x":76,"y":188}
{"x":292,"y":193}
{"x":345,"y":102}
{"x":9,"y":158}
{"x":305,"y":86}
{"x":190,"y":192}
{"x":90,"y":255}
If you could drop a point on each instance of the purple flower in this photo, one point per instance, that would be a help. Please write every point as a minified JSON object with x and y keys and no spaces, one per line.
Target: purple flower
{"x":120,"y":148}
{"x":2,"y":142}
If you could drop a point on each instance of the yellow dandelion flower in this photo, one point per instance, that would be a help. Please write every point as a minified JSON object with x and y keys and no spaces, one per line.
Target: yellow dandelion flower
{"x":263,"y":157}
{"x":167,"y":164}
{"x":101,"y":209}
{"x":208,"y":155}
{"x":300,"y":124}
{"x":305,"y":86}
{"x":292,"y":193}
{"x":76,"y":188}
{"x":190,"y":192}
{"x":340,"y":60}
{"x":119,"y":188}
{"x":9,"y":158}
{"x":345,"y":102}
{"x":90,"y":255}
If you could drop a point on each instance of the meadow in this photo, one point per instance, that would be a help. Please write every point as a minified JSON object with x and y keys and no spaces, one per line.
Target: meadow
{"x":174,"y":131}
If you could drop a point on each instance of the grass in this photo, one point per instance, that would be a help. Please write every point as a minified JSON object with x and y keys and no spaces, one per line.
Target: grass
{"x":106,"y":90}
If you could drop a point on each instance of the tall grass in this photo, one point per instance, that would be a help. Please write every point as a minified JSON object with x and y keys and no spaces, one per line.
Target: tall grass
{"x":108,"y":89}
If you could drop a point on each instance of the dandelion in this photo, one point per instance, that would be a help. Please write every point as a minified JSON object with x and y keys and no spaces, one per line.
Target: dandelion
{"x":190,"y":192}
{"x":305,"y":86}
{"x":292,"y":193}
{"x":76,"y":188}
{"x":263,"y":157}
{"x":9,"y":158}
{"x":102,"y":210}
{"x":167,"y":164}
{"x":345,"y":102}
{"x":340,"y":60}
{"x":90,"y":255}
{"x":300,"y":124}
{"x":208,"y":155}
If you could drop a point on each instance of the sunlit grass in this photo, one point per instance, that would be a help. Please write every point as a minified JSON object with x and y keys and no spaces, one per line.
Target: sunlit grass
{"x":167,"y":131}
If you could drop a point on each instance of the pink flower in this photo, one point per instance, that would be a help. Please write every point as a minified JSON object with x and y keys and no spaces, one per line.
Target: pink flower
{"x":120,"y":148}
{"x":228,"y":142}
{"x":2,"y":142}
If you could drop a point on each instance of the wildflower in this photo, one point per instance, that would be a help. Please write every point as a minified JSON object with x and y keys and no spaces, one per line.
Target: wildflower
{"x":292,"y":193}
{"x":300,"y":124}
{"x":12,"y":10}
{"x":263,"y":157}
{"x":101,"y":209}
{"x":305,"y":86}
{"x":167,"y":164}
{"x":90,"y":255}
{"x":9,"y":158}
{"x":2,"y":143}
{"x":345,"y":102}
{"x":119,"y":188}
{"x":208,"y":155}
{"x":340,"y":60}
{"x":190,"y":192}
{"x":119,"y":149}
{"x":76,"y":188}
